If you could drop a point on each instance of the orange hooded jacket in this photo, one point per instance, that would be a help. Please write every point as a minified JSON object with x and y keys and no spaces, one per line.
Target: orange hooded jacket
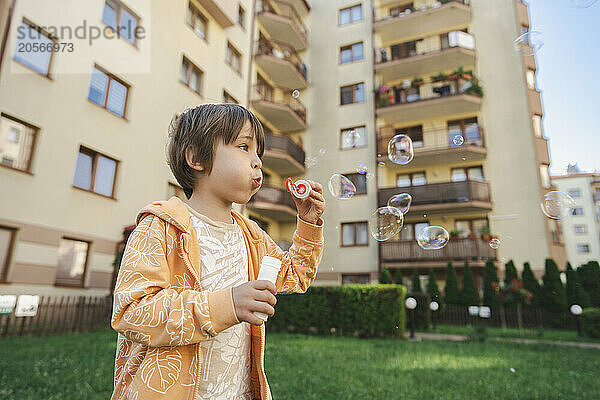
{"x":161,"y":313}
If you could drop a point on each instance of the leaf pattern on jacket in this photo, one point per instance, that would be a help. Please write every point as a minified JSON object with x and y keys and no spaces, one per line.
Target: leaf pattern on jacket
{"x":160,"y":369}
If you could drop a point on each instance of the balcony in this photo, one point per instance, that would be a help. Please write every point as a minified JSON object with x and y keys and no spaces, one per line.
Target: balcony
{"x":454,"y":14}
{"x":283,"y":156}
{"x":273,"y":202}
{"x":301,"y":6}
{"x":425,"y":61}
{"x":430,"y":100}
{"x":281,"y":21}
{"x":281,"y":63}
{"x":535,"y":101}
{"x":283,"y":111}
{"x":408,"y":253}
{"x":436,"y":147}
{"x":541,"y":150}
{"x":443,"y":198}
{"x":225,"y":12}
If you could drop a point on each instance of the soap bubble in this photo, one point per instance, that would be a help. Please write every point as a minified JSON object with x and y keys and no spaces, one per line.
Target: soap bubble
{"x":310,"y":161}
{"x":400,"y":149}
{"x":401,"y":201}
{"x":295,"y":94}
{"x":433,"y":237}
{"x":582,"y":3}
{"x":350,"y":139}
{"x":361,"y":169}
{"x":458,"y":140}
{"x":512,"y":370}
{"x":495,"y":243}
{"x":529,"y":43}
{"x":322,"y":151}
{"x":381,"y":164}
{"x":341,"y":187}
{"x":557,"y":204}
{"x":370,"y":176}
{"x":385,"y":223}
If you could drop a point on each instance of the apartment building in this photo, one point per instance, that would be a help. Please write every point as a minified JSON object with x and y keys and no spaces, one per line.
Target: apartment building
{"x":83,"y":132}
{"x":446,"y":74}
{"x":581,"y":228}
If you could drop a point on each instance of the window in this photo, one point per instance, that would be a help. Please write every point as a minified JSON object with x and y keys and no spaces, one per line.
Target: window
{"x":583,"y":248}
{"x":197,"y":21}
{"x":351,"y":138}
{"x":352,"y":52}
{"x":72,"y":261}
{"x":17,"y":149}
{"x":95,"y":172}
{"x":467,"y":174}
{"x":34,"y":48}
{"x":108,"y":91}
{"x":411,"y":230}
{"x":227,"y":98}
{"x":241,"y":16}
{"x":531,"y":84}
{"x":6,"y":244}
{"x":359,"y":181}
{"x":121,"y":20}
{"x":415,"y":133}
{"x":264,"y":89}
{"x":350,"y":14}
{"x":580,"y":229}
{"x":414,"y":179}
{"x":577,"y":211}
{"x":545,"y":176}
{"x":354,"y":234}
{"x":397,"y":10}
{"x":177,"y":191}
{"x":191,"y":76}
{"x":575,"y":193}
{"x":444,"y":41}
{"x":233,"y":58}
{"x":404,"y":50}
{"x":361,"y":279}
{"x":352,"y":94}
{"x":470,"y":226}
{"x":536,"y":120}
{"x":467,"y":129}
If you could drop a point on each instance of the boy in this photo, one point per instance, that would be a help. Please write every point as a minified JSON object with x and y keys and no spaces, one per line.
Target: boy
{"x":186,"y":289}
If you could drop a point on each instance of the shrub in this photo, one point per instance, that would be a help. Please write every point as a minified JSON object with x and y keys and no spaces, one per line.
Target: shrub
{"x":490,"y":275}
{"x":590,"y":322}
{"x":589,"y":276}
{"x":531,"y":284}
{"x":348,"y":310}
{"x":575,"y":292}
{"x":468,"y":294}
{"x":451,"y":294}
{"x":552,"y":294}
{"x":416,"y":282}
{"x":385,"y":276}
{"x":432,"y":288}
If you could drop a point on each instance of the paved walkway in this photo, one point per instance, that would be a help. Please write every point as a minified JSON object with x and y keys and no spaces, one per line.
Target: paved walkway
{"x":460,"y":338}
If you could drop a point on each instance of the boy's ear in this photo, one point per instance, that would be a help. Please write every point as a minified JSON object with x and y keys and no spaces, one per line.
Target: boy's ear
{"x":189,"y":158}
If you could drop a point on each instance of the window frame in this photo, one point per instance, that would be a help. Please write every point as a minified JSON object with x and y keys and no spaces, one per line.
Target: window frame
{"x":4,"y":269}
{"x":353,"y":88}
{"x":408,"y":131}
{"x":241,"y":16}
{"x":353,"y":178}
{"x":191,"y":67}
{"x":85,"y":266}
{"x":34,"y":142}
{"x":581,"y":246}
{"x":575,"y":213}
{"x":234,"y":52}
{"x":352,"y":57}
{"x":467,"y":173}
{"x":120,"y":8}
{"x":354,"y":224}
{"x":195,"y":14}
{"x":354,"y":128}
{"x":110,"y":77}
{"x":583,"y":231}
{"x":350,"y":10}
{"x":410,"y":175}
{"x":95,"y":156}
{"x":54,"y":40}
{"x":226,"y":94}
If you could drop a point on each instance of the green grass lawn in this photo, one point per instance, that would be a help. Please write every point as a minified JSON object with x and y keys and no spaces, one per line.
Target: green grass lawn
{"x":80,"y":366}
{"x":547,"y":334}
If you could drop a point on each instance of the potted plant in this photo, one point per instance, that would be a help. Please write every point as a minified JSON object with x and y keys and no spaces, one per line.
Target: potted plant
{"x":417,"y":82}
{"x":439,"y":77}
{"x":472,"y":235}
{"x":485,"y":233}
{"x":461,"y":74}
{"x":475,"y":88}
{"x":455,"y":235}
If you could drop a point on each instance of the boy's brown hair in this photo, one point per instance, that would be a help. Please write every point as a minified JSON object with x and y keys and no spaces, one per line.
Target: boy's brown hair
{"x":200,"y":128}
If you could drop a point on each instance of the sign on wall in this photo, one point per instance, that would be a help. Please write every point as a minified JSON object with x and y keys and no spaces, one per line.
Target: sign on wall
{"x":27,"y":305}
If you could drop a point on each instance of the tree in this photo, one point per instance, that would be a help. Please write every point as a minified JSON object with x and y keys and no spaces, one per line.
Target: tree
{"x":385,"y":276}
{"x":468,"y":293}
{"x":553,"y":296}
{"x":575,"y":292}
{"x":399,"y":277}
{"x":432,"y":288}
{"x":589,"y":276}
{"x":510,"y":272}
{"x":416,"y":282}
{"x":490,"y":275}
{"x":531,"y":284}
{"x":451,"y":294}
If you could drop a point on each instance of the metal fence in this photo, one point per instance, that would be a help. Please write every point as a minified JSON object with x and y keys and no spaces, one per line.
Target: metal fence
{"x":60,"y":314}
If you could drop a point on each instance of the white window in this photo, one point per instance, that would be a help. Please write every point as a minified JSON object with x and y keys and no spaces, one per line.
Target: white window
{"x":350,"y":53}
{"x":34,"y":48}
{"x":537,"y":125}
{"x":72,"y":259}
{"x":354,"y":234}
{"x":108,"y":92}
{"x":233,"y":58}
{"x":580,"y":229}
{"x":353,"y":137}
{"x":120,"y":19}
{"x":459,"y":175}
{"x":577,"y":211}
{"x":583,"y":248}
{"x":350,"y":14}
{"x":95,"y":172}
{"x":545,"y":176}
{"x":531,"y":79}
{"x":575,"y":193}
{"x":16,"y":152}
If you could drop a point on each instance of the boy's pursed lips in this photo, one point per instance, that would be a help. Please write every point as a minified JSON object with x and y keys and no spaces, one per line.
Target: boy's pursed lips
{"x":257,"y":181}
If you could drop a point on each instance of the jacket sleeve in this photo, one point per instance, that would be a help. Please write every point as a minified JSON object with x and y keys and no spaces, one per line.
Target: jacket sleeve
{"x":299,"y":264}
{"x":148,"y":308}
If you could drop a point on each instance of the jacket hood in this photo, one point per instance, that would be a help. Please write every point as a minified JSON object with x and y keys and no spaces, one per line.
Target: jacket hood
{"x":175,"y":212}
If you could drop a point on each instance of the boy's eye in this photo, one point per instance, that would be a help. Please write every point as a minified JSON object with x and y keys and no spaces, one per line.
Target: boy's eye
{"x":244,"y":145}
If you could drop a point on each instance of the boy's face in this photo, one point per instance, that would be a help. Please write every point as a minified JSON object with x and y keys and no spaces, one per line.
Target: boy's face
{"x":236,"y":174}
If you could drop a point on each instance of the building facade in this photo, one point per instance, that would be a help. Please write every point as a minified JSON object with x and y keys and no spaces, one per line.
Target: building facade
{"x":581,"y":228}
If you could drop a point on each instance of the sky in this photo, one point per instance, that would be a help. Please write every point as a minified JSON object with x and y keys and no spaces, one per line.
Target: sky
{"x":568,"y":75}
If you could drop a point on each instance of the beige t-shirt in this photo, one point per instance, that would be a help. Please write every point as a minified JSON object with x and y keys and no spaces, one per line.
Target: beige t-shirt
{"x":225,"y":358}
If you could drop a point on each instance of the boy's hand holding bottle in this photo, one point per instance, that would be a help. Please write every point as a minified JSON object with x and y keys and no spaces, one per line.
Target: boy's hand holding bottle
{"x":254,"y":296}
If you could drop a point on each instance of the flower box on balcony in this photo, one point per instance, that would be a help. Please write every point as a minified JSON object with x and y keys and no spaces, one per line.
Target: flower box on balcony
{"x":417,"y":82}
{"x":439,"y":78}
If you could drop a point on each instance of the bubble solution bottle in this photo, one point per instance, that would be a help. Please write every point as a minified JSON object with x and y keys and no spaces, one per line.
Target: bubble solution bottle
{"x":269,"y":269}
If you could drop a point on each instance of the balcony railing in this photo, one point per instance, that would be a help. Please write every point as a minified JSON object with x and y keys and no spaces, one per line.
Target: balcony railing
{"x":455,"y":250}
{"x":281,"y":51}
{"x":260,"y":94}
{"x":385,"y":13}
{"x":435,"y":140}
{"x":283,"y":9}
{"x":286,"y":144}
{"x":440,"y":193}
{"x":273,"y":195}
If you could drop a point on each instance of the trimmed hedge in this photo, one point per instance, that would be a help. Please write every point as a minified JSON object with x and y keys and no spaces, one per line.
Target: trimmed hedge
{"x":422,"y":312}
{"x":590,"y":322}
{"x":348,"y":310}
